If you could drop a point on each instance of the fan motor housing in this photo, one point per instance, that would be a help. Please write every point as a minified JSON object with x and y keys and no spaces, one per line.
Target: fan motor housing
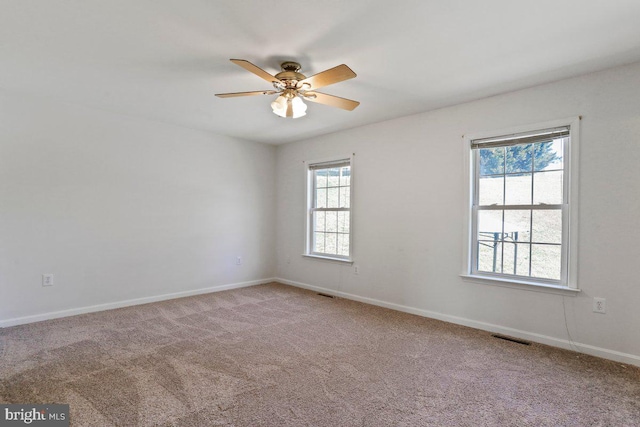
{"x":290,"y":72}
{"x":290,"y":75}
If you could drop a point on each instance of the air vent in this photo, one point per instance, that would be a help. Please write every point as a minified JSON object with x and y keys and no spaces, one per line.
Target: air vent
{"x":506,"y":338}
{"x":326,"y":295}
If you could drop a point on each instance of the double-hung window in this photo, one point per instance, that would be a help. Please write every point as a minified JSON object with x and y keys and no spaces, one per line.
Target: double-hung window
{"x":329,"y":209}
{"x":520,"y":207}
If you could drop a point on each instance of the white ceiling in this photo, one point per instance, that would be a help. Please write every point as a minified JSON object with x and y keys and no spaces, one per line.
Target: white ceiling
{"x":165,"y":60}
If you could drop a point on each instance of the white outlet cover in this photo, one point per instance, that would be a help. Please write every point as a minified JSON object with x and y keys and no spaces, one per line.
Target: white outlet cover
{"x":599,"y":305}
{"x":47,"y":280}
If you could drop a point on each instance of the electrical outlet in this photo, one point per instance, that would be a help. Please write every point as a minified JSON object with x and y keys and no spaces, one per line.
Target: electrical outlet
{"x":356,"y":269}
{"x":238,"y":260}
{"x":47,"y":280}
{"x":599,"y":305}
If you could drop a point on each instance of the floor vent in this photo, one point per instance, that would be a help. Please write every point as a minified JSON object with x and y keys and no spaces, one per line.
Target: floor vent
{"x":326,"y":295}
{"x":506,"y":338}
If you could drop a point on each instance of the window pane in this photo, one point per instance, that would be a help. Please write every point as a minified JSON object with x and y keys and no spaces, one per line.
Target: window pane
{"x":547,"y":188}
{"x":321,"y":198}
{"x":489,"y":225}
{"x":519,"y":158}
{"x":343,"y":222}
{"x":490,"y":257}
{"x":318,"y":242}
{"x":332,"y":221}
{"x":512,"y":237}
{"x":518,"y":189}
{"x":319,"y":221}
{"x":516,"y":225}
{"x":333,"y":177}
{"x":491,"y":191}
{"x":333,"y":197}
{"x":549,"y":155}
{"x":330,"y":228}
{"x":518,"y":255}
{"x":547,"y":226}
{"x":491,"y":161}
{"x":343,"y":244}
{"x":509,"y":257}
{"x":546,"y":261}
{"x":516,"y":259}
{"x":344,"y":197}
{"x":345,"y":176}
{"x":331,"y":243}
{"x":321,"y":178}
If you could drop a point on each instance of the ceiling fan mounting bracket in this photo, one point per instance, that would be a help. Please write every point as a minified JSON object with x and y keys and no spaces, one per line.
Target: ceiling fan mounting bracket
{"x":290,"y":66}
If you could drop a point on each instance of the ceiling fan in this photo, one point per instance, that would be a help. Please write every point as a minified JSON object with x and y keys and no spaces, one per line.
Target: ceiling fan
{"x":292,"y":87}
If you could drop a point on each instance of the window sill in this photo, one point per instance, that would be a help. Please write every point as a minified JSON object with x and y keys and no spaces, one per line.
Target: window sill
{"x":328,"y":258}
{"x":520,"y":284}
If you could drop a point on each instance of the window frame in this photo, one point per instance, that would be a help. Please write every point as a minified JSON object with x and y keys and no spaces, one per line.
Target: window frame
{"x":310,"y":167}
{"x":568,"y":208}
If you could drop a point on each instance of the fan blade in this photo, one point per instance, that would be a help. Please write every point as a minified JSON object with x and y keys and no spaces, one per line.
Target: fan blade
{"x":258,"y":92}
{"x":255,"y":70}
{"x":334,"y":101}
{"x":327,"y":77}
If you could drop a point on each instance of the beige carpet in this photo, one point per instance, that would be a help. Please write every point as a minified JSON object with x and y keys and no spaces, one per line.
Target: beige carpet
{"x":273,"y":355}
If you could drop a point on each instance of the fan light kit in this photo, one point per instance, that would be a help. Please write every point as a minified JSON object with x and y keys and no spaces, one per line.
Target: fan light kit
{"x":292,"y":87}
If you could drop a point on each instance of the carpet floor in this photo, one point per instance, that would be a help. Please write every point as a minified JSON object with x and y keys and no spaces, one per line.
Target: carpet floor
{"x":274,"y":355}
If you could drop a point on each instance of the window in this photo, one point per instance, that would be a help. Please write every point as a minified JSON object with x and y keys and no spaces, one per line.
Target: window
{"x":520,"y":199}
{"x":329,"y":209}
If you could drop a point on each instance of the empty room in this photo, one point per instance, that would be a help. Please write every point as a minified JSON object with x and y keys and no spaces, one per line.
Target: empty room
{"x":363,"y":213}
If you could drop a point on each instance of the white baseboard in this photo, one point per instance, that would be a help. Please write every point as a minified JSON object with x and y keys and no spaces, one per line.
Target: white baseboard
{"x":126,"y":303}
{"x":617,"y":356}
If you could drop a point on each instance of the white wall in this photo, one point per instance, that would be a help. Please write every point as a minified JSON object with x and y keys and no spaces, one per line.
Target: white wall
{"x":408,"y":215}
{"x":120,"y":208}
